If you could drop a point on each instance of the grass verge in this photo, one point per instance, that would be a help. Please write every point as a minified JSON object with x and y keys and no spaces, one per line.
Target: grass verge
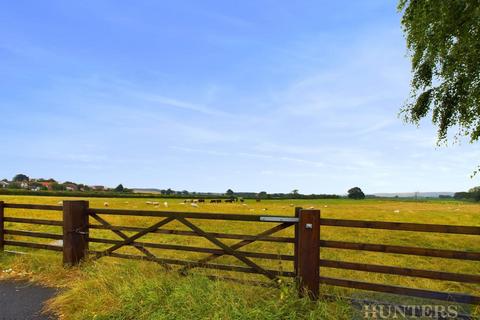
{"x":112,"y":289}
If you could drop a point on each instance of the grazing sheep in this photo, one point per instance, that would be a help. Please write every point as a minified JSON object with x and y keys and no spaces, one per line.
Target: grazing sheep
{"x":396,"y":211}
{"x":182,"y":203}
{"x":155,"y":203}
{"x":244,"y":204}
{"x":60,"y":202}
{"x":194,"y":205}
{"x":105,"y":204}
{"x":311,"y":208}
{"x":148,"y":202}
{"x":291,"y":204}
{"x":325,"y":206}
{"x":264,"y":209}
{"x":165,"y":204}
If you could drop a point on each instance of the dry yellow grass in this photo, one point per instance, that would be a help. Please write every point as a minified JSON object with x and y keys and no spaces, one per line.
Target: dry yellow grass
{"x":442,"y":212}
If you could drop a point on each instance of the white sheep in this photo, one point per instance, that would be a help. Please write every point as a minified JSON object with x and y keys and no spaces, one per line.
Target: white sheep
{"x":60,"y":202}
{"x":105,"y":204}
{"x":194,"y":205}
{"x":165,"y":204}
{"x":396,"y":211}
{"x":155,"y":203}
{"x":148,"y":202}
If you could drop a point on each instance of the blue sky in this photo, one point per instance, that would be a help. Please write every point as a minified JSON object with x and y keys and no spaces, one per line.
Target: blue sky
{"x":210,"y":95}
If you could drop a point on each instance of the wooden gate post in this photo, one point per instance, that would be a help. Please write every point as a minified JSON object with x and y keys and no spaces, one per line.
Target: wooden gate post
{"x":75,"y":231}
{"x":295,"y":244}
{"x":2,"y":227}
{"x":308,"y":253}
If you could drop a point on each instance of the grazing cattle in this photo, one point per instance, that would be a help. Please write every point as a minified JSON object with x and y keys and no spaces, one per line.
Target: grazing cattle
{"x":229,"y":200}
{"x":241,"y":200}
{"x":201,"y":200}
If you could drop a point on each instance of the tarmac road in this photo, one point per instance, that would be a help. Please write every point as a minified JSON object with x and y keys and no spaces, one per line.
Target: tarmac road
{"x":21,"y":300}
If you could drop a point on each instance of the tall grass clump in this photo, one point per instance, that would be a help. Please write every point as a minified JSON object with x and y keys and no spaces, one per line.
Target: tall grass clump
{"x":142,"y":290}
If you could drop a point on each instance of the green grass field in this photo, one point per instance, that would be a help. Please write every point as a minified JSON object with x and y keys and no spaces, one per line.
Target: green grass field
{"x":118,"y":289}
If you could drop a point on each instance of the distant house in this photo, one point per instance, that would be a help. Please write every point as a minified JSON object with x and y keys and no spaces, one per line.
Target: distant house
{"x":24,"y":184}
{"x":4,"y":184}
{"x":97,"y":188}
{"x":47,"y":184}
{"x":70,"y":186}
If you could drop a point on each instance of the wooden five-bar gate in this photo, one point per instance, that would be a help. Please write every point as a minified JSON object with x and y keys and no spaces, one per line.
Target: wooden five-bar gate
{"x":77,"y":218}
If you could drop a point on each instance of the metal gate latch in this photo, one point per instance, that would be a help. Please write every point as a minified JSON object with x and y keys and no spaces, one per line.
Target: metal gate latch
{"x":308,"y":226}
{"x":80,"y":232}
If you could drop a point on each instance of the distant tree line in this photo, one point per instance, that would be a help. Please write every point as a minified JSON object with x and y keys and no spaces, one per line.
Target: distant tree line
{"x":473,"y":194}
{"x":21,"y":184}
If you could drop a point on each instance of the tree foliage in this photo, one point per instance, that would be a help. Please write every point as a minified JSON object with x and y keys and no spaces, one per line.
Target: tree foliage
{"x":119,"y":188}
{"x":356,"y":193}
{"x":444,"y":41}
{"x":20,"y":177}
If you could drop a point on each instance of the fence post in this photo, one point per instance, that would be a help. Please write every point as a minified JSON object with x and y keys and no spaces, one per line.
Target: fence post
{"x":2,"y":227}
{"x":308,"y":252}
{"x":75,"y":231}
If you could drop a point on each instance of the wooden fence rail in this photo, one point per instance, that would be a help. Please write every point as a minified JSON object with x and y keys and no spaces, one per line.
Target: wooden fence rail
{"x":77,"y":219}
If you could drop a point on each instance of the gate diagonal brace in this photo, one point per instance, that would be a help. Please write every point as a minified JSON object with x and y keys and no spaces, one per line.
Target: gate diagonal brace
{"x":125,"y":237}
{"x":240,"y":244}
{"x":227,"y":249}
{"x":134,"y":237}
